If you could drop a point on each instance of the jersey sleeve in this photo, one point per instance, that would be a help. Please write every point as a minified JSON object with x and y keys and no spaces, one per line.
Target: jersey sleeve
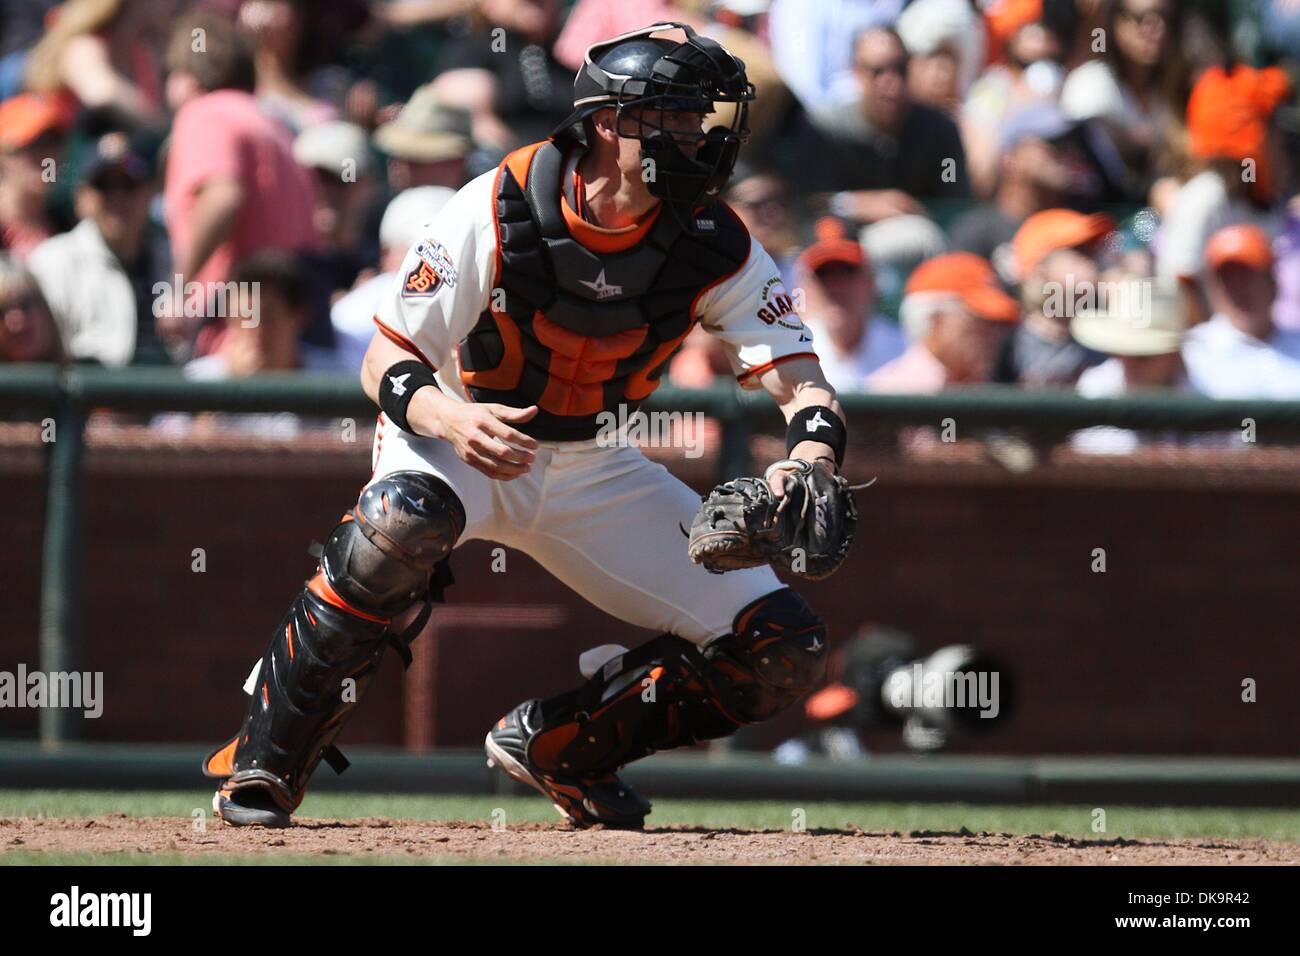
{"x":445,"y":281}
{"x":754,"y":316}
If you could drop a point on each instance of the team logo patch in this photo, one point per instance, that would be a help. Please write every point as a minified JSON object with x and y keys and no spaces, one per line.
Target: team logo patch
{"x":776,"y":307}
{"x":433,"y":270}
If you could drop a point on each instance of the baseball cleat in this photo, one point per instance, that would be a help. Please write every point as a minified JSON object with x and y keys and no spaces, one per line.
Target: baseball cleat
{"x":249,"y":807}
{"x":583,"y":801}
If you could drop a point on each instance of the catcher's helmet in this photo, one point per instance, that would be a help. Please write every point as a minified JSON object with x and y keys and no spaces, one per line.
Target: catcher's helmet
{"x":642,"y":76}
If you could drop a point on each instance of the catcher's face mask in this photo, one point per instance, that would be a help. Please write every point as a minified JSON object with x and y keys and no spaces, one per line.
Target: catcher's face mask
{"x":683,"y":97}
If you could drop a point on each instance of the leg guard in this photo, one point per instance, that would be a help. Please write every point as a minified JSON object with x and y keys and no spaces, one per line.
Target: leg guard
{"x":388,"y":553}
{"x":668,"y":692}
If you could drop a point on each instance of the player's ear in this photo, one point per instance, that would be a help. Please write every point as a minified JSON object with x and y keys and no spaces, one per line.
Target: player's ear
{"x":604,"y":124}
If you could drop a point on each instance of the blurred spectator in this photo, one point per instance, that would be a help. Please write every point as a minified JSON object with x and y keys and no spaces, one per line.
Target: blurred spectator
{"x":402,"y":227}
{"x":851,"y":341}
{"x":762,"y":200}
{"x":814,"y":49}
{"x":269,"y":341}
{"x":513,"y":88}
{"x":426,"y":144}
{"x":945,"y":42}
{"x":882,"y":150}
{"x":1144,"y":343}
{"x":1239,"y":353}
{"x":1038,"y":169}
{"x":106,"y":54}
{"x":1137,"y":88}
{"x":1028,"y":51}
{"x":339,"y":154}
{"x":1056,"y":253}
{"x":277,"y":29}
{"x":957,"y":317}
{"x":1286,"y":307}
{"x":99,"y":279}
{"x":232,"y":185}
{"x":27,"y":330}
{"x":1239,"y":161}
{"x":31,"y":146}
{"x":22,"y":22}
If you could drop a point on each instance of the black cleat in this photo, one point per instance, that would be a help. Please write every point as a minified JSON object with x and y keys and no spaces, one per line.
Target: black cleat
{"x":583,"y":801}
{"x":249,"y":807}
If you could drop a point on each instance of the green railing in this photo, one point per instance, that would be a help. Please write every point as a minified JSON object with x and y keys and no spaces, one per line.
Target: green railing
{"x":68,"y":396}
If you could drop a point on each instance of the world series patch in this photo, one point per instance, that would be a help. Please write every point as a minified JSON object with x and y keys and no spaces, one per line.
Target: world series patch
{"x":434,"y":268}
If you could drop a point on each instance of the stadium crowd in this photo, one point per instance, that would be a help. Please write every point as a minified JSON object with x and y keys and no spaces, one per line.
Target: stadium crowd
{"x":956,"y":192}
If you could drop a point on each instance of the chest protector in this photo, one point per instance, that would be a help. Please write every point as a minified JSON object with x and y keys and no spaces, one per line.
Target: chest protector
{"x":578,"y":332}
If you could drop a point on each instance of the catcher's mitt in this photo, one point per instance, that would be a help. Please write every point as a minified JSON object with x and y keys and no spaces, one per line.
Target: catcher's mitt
{"x":807,"y":532}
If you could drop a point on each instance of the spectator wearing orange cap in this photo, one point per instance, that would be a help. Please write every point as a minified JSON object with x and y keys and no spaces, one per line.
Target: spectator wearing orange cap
{"x":957,"y":317}
{"x":839,"y":293}
{"x":31,"y":146}
{"x":1233,"y":142}
{"x":1239,"y":353}
{"x":1055,"y":255}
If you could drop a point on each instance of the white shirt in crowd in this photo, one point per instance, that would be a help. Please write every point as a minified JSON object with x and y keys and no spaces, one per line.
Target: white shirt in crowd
{"x":1201,"y":208}
{"x":1107,"y":381}
{"x":1224,"y":362}
{"x":89,"y":294}
{"x":883,"y":342}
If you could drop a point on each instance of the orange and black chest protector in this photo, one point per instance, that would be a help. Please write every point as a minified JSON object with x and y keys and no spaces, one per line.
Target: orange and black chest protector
{"x":577,"y":331}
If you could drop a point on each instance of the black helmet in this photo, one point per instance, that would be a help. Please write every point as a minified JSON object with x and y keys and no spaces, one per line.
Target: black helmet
{"x":652,"y":75}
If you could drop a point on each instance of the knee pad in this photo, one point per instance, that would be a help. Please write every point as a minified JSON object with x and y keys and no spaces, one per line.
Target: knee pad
{"x":403,"y":526}
{"x":668,"y":692}
{"x":774,"y":655}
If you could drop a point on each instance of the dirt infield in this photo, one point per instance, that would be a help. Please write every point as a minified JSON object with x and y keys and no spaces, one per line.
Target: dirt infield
{"x":479,"y":842}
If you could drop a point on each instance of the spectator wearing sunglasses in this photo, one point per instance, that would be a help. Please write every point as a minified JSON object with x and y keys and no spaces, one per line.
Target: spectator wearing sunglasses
{"x":883,"y":151}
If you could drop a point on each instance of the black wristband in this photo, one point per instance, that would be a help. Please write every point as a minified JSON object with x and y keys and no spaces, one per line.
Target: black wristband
{"x":398,"y":386}
{"x":817,"y":423}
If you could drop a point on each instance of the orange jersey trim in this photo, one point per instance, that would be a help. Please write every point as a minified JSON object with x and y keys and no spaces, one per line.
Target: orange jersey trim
{"x":767,"y":366}
{"x":397,"y":338}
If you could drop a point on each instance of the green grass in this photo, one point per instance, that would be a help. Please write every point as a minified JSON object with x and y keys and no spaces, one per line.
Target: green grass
{"x":1121,"y":821}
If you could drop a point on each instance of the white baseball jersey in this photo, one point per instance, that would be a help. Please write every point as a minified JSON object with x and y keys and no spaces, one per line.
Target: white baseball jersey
{"x":601,"y":517}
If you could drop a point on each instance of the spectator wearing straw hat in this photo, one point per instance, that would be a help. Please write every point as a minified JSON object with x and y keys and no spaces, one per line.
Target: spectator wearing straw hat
{"x":426,"y":143}
{"x":850,"y":340}
{"x":1143,"y":337}
{"x":957,"y":317}
{"x":1055,"y":254}
{"x":1239,"y":353}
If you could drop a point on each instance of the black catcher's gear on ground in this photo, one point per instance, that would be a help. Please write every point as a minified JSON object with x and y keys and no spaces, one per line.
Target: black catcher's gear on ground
{"x":649,"y":72}
{"x":388,"y":553}
{"x":666,"y":693}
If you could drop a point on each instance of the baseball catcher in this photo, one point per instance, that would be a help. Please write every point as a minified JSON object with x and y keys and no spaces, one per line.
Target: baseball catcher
{"x":546,"y":292}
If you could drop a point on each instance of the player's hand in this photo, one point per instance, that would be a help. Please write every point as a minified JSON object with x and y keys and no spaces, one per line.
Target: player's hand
{"x":483,"y":437}
{"x":818,"y":453}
